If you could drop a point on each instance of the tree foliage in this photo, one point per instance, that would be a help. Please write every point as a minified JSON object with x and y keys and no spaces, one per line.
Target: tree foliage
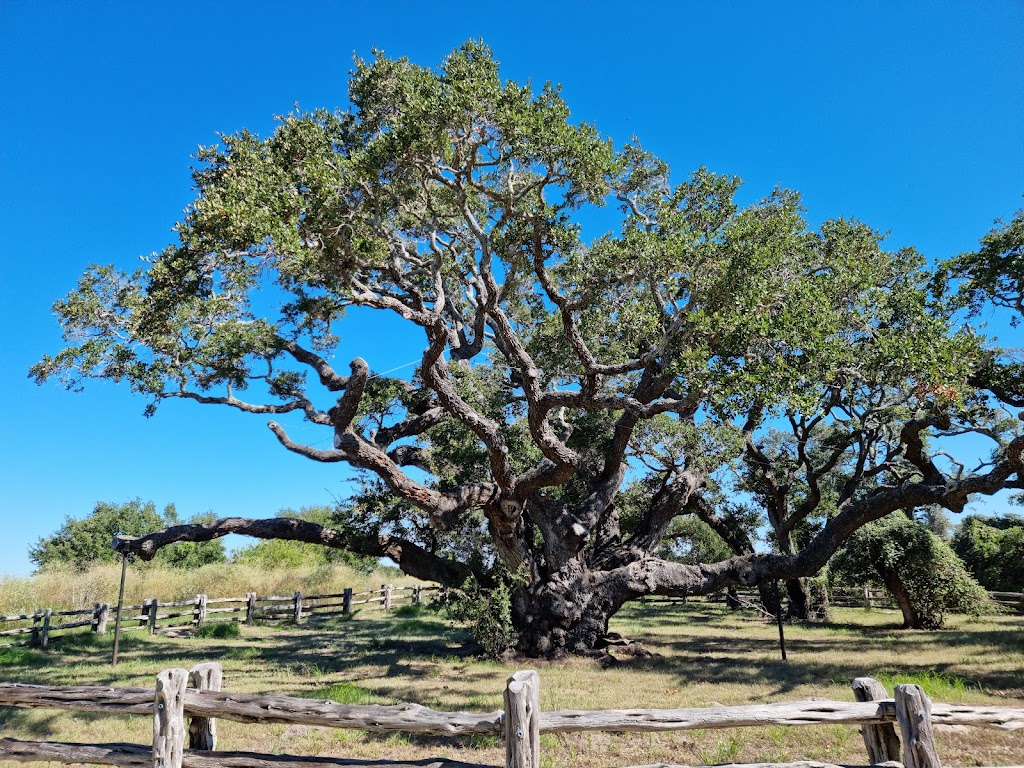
{"x":923,"y":574}
{"x":992,"y":549}
{"x":576,"y":395}
{"x":82,"y":542}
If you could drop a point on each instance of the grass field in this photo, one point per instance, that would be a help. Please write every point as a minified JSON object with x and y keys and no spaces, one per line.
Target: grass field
{"x":64,"y":588}
{"x":704,"y":655}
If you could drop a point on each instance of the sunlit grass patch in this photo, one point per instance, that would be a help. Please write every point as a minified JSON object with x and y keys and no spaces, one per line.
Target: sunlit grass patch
{"x":937,"y":685}
{"x":220,"y":630}
{"x":21,"y":657}
{"x":345,"y":693}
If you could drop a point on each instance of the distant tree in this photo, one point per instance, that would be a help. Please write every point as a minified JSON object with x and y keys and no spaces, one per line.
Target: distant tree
{"x":922,"y":573}
{"x":87,"y":541}
{"x":992,"y":549}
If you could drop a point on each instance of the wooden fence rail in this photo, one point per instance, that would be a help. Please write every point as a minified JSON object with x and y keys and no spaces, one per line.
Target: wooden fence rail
{"x":866,"y":597}
{"x":154,"y":614}
{"x":196,"y":694}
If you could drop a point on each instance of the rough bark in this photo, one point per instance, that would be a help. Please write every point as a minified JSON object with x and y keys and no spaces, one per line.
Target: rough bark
{"x":911,"y":618}
{"x":796,"y":590}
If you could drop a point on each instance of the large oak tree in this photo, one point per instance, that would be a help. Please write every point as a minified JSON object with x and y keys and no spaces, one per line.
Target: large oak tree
{"x":576,"y":395}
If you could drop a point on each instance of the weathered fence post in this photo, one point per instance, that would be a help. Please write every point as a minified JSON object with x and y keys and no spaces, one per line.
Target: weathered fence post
{"x":386,"y":590}
{"x":881,"y":741}
{"x":169,"y":718}
{"x":416,"y":595}
{"x":202,"y":731}
{"x":867,"y":597}
{"x":200,"y":611}
{"x":144,"y":616}
{"x":154,"y":606}
{"x":45,"y":637}
{"x":522,"y":720}
{"x":102,"y":615}
{"x":297,"y":610}
{"x":37,"y":616}
{"x":250,"y":607}
{"x":914,"y":714}
{"x":346,"y":602}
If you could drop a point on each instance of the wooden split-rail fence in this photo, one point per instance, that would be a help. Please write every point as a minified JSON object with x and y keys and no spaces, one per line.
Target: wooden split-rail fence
{"x":196,"y":694}
{"x":38,"y":628}
{"x":866,"y":597}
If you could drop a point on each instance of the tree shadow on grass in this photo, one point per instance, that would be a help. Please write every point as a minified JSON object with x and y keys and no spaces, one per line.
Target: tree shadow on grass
{"x":697,"y":643}
{"x":729,"y":657}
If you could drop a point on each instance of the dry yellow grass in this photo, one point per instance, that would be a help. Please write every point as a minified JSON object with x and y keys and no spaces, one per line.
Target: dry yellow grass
{"x":66,"y":588}
{"x":704,"y":655}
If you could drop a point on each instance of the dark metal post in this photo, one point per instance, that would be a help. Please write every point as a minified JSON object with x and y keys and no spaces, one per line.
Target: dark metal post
{"x":778,"y":618}
{"x":120,"y":607}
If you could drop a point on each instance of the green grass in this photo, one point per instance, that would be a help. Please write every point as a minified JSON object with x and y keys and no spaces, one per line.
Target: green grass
{"x":345,"y":693}
{"x":220,"y":630}
{"x":21,"y":657}
{"x":703,"y":656}
{"x":938,"y":685}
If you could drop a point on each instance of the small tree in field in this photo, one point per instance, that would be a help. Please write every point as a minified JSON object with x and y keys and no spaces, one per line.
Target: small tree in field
{"x":575,"y":396}
{"x":919,"y":569}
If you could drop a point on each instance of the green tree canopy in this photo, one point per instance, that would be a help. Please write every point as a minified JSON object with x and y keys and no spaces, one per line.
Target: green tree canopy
{"x":992,"y":549}
{"x":575,"y":395}
{"x":82,"y":542}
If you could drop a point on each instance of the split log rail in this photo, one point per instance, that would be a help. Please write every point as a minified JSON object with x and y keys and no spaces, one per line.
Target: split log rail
{"x":37,"y":629}
{"x":196,"y":694}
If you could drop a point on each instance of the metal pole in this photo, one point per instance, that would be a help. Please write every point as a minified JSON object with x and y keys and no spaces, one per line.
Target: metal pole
{"x":778,"y":617}
{"x":120,"y":606}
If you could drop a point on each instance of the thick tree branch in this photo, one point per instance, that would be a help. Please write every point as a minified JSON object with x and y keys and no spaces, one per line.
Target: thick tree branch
{"x":442,"y":507}
{"x":328,"y":377}
{"x":411,"y":558}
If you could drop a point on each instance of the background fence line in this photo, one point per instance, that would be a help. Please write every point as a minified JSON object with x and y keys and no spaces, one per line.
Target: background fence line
{"x":197,"y":694}
{"x":865,"y":597}
{"x":153,"y":614}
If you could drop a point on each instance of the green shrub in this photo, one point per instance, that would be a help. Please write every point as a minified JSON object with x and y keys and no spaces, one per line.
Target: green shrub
{"x":485,"y":612}
{"x":220,"y":630}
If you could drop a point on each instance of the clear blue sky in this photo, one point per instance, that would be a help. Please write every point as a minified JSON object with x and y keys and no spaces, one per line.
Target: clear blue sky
{"x":907,"y":115}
